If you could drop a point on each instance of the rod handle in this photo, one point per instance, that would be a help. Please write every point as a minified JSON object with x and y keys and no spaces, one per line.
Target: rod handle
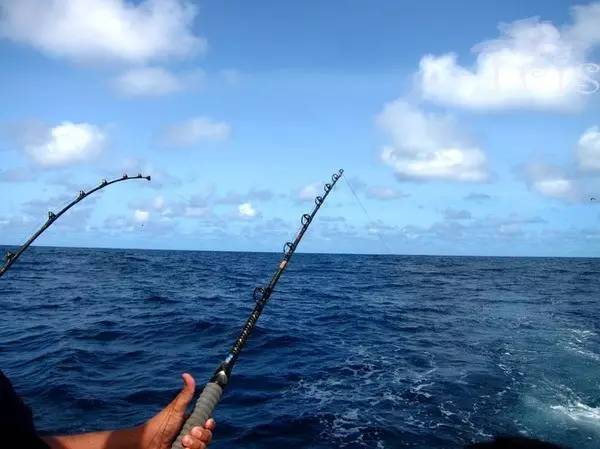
{"x":206,"y":403}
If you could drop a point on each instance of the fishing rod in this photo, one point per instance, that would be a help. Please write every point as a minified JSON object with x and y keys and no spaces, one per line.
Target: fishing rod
{"x":11,"y":257}
{"x":211,"y":395}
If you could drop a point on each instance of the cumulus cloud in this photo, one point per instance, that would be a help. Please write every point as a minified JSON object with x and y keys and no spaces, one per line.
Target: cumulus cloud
{"x":155,"y":81}
{"x":309,"y":192}
{"x":163,"y":209}
{"x":159,"y":203}
{"x":196,"y":130}
{"x":103,"y":30}
{"x":246,"y":211}
{"x":570,"y":184}
{"x":201,"y":205}
{"x":141,"y":216}
{"x":551,"y":182}
{"x":64,"y":144}
{"x":514,"y":225}
{"x":588,"y":150}
{"x":428,"y":146}
{"x":531,"y":64}
{"x":117,"y":225}
{"x":474,"y":232}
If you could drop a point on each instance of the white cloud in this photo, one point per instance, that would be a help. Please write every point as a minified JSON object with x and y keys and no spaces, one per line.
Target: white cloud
{"x":577,"y":184}
{"x":141,"y":216}
{"x":196,"y":130}
{"x":65,"y":144}
{"x":551,"y":182}
{"x":159,"y":203}
{"x":531,"y":64}
{"x":588,"y":150}
{"x":164,"y":209}
{"x":103,"y":30}
{"x":155,"y":81}
{"x":556,"y":187}
{"x":309,"y":192}
{"x":428,"y":146}
{"x":585,"y":32}
{"x":245,"y":210}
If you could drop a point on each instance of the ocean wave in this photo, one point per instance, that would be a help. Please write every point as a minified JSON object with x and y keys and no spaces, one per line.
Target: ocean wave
{"x":580,"y":412}
{"x":94,"y":334}
{"x":160,"y":299}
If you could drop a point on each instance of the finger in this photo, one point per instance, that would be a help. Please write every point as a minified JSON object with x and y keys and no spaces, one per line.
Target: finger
{"x":186,"y":394}
{"x":210,"y":424}
{"x":203,"y":435}
{"x":190,"y":442}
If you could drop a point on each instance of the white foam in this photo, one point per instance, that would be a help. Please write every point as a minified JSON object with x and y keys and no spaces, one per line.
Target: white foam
{"x":580,"y":412}
{"x":583,"y":333}
{"x":589,"y":354}
{"x":577,"y":343}
{"x":348,"y":429}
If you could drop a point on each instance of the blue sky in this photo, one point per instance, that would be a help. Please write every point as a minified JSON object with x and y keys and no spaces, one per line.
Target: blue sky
{"x":465,"y":127}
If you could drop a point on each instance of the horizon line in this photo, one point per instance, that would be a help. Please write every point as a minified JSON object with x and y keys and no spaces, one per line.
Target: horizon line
{"x":305,"y":252}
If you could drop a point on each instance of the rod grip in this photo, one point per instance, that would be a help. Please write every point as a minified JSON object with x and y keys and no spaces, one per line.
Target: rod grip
{"x":206,"y":403}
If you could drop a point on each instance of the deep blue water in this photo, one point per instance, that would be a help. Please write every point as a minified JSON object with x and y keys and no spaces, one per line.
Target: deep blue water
{"x":351,"y":352}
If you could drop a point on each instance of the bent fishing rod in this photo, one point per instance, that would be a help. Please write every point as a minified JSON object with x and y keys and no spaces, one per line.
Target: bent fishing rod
{"x":211,"y":395}
{"x":11,"y":257}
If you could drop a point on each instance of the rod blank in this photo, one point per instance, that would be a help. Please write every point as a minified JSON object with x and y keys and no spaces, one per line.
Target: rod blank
{"x":10,"y":257}
{"x":211,"y":395}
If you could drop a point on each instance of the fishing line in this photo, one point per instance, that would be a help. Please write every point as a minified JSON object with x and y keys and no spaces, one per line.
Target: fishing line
{"x":211,"y":395}
{"x":10,"y":257}
{"x":364,"y":209}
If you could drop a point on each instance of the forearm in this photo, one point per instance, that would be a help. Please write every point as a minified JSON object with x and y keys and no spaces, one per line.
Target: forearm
{"x":111,"y":439}
{"x":156,"y":433}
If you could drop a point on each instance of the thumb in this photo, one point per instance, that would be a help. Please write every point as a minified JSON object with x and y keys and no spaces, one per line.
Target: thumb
{"x":186,"y":394}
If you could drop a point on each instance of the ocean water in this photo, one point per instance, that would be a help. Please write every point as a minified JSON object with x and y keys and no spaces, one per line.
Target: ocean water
{"x":353,"y":351}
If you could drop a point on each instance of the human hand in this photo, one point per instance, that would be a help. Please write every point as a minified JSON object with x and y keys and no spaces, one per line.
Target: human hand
{"x":161,"y":430}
